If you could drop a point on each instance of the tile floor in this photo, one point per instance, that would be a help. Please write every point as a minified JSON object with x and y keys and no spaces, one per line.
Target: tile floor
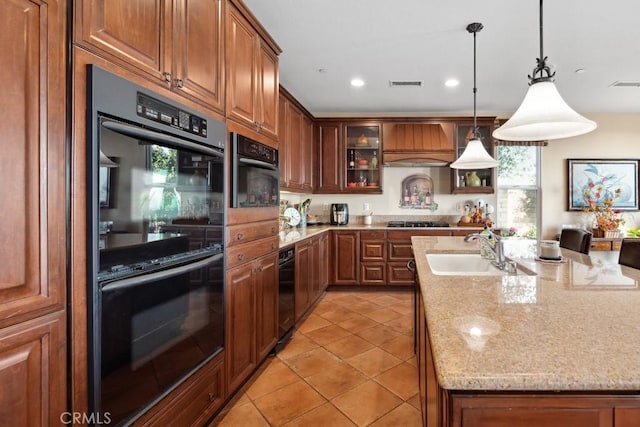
{"x":349,"y":363}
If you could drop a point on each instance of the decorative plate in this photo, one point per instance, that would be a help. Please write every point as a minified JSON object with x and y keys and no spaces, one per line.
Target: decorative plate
{"x":293,"y":215}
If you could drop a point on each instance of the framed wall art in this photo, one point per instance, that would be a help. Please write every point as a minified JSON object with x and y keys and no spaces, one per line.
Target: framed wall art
{"x":601,"y":179}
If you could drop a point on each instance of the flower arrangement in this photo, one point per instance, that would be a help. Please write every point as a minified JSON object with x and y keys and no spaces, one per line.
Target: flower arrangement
{"x":606,"y":218}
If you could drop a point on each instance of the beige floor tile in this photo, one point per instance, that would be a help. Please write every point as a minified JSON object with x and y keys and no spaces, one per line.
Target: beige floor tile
{"x":298,"y":344}
{"x":400,"y":346}
{"x":366,"y":403}
{"x":401,"y":380}
{"x":312,"y":362}
{"x":374,"y":362}
{"x":273,"y":377}
{"x":245,"y":415}
{"x":404,"y":415}
{"x":415,"y":401}
{"x":383,"y":315}
{"x":378,"y":334}
{"x":357,"y":323}
{"x":402,"y":308}
{"x":313,"y":322}
{"x":338,"y":314}
{"x":323,"y":416}
{"x":289,"y":402}
{"x":341,"y":378}
{"x":328,"y":334}
{"x":349,"y":346}
{"x":364,"y":307}
{"x":402,"y":325}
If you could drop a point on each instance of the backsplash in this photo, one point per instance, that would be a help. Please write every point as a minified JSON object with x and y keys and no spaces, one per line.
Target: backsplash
{"x":388,"y":206}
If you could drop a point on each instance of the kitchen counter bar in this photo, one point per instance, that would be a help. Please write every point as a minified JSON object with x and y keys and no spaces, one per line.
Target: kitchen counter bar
{"x":573,"y":326}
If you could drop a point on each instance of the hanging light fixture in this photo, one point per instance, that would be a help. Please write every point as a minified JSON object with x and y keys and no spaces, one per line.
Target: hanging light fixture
{"x":106,"y":162}
{"x":543,"y":114}
{"x":475,"y":156}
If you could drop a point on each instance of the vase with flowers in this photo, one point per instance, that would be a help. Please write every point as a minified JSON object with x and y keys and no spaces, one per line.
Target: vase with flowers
{"x":607,"y":220}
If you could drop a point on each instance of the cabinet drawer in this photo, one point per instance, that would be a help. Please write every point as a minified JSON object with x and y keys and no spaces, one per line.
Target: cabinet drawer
{"x":237,"y":234}
{"x":372,"y":250}
{"x":372,"y":235}
{"x":398,"y":273}
{"x":240,"y":254}
{"x":372,"y":273}
{"x":400,"y":250}
{"x":194,"y":401}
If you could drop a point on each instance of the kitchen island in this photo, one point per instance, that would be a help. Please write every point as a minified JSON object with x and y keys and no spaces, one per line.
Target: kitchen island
{"x":556,"y":344}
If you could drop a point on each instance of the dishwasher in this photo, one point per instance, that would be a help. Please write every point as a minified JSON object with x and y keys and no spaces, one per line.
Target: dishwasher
{"x":286,"y":297}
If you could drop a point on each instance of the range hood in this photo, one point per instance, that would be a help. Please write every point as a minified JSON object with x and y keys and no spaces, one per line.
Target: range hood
{"x":418,"y":144}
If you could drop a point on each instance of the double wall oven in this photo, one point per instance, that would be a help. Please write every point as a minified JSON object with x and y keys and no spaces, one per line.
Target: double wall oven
{"x":155,"y":244}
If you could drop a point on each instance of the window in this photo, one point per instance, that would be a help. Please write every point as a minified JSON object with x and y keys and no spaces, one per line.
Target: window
{"x":518,"y":190}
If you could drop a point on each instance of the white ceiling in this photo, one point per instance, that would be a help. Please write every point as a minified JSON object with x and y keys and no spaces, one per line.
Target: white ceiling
{"x":382,"y":40}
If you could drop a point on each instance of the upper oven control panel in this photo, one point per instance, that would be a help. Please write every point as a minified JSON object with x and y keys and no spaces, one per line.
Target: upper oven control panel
{"x":255,"y":150}
{"x":161,"y":112}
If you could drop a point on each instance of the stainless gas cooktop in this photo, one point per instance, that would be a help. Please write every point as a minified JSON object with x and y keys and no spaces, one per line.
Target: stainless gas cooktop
{"x":417,"y":224}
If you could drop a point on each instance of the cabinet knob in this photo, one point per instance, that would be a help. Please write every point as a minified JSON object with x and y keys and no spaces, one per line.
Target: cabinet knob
{"x":179,"y":83}
{"x":212,"y":397}
{"x":167,"y":76}
{"x":273,"y":246}
{"x":240,"y":257}
{"x":240,"y":236}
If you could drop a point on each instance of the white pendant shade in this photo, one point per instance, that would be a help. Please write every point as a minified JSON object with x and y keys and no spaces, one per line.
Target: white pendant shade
{"x":475,"y":156}
{"x":543,"y":115}
{"x":106,"y":162}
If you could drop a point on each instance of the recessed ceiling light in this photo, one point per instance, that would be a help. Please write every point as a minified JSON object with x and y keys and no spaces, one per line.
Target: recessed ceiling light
{"x":451,"y":83}
{"x":322,"y":70}
{"x":580,"y":71}
{"x":357,"y":82}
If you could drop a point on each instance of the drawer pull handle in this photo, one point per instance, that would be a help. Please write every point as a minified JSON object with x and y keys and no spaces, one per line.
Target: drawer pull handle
{"x":212,"y":397}
{"x":240,"y":257}
{"x":240,"y":236}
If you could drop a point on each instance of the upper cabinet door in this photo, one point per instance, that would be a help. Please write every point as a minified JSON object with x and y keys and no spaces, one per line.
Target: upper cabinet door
{"x":198,"y":51}
{"x":177,"y":44}
{"x":252,"y":74}
{"x":32,"y":165}
{"x":134,"y":31}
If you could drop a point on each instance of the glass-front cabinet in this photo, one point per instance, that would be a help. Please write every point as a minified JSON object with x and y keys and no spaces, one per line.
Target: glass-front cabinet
{"x":481,"y":181}
{"x":362,"y":158}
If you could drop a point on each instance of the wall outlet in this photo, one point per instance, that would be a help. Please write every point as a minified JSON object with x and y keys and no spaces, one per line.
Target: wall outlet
{"x":365,"y":206}
{"x":325,"y":207}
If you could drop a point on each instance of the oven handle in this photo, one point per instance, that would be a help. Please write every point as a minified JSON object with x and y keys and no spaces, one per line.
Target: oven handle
{"x":138,"y":132}
{"x":131,"y":282}
{"x":258,"y":163}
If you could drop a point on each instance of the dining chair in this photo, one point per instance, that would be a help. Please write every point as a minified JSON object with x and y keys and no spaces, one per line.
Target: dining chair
{"x":630,"y":253}
{"x":576,"y":239}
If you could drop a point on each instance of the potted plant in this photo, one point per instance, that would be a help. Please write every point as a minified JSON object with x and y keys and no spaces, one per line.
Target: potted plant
{"x":606,"y":219}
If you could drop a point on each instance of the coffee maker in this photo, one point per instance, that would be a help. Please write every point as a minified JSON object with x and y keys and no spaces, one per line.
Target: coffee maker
{"x":339,"y":214}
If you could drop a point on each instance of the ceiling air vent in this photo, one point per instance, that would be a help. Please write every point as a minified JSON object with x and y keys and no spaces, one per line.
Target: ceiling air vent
{"x":405,"y":83}
{"x":625,"y":84}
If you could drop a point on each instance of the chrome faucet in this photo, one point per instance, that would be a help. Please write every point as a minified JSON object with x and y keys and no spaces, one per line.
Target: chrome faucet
{"x":494,"y":243}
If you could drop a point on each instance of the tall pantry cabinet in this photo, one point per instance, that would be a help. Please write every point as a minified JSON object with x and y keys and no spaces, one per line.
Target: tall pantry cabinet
{"x":32,"y":230}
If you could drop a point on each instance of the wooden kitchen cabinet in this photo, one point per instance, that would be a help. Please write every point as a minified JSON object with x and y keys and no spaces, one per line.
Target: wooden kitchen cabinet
{"x":460,"y":182}
{"x":329,"y":158}
{"x":33,"y":278}
{"x":346,"y":257}
{"x":252,"y":81}
{"x":373,"y":257}
{"x":251,"y":316}
{"x":295,"y":145}
{"x":176,"y":43}
{"x":310,"y":272}
{"x":363,"y":143}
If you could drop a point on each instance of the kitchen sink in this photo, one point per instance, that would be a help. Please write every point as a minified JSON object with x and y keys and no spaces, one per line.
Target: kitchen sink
{"x":466,"y":265}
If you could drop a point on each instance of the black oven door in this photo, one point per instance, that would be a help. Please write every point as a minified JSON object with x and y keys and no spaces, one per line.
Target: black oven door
{"x":155,"y":329}
{"x":255,"y":177}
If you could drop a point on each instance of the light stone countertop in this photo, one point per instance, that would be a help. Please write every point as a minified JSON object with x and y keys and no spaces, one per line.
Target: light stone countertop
{"x":291,"y":236}
{"x":573,"y":326}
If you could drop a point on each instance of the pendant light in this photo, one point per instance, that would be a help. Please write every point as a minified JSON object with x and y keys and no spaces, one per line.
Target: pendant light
{"x":543,"y":114}
{"x":106,"y":162}
{"x":475,"y":156}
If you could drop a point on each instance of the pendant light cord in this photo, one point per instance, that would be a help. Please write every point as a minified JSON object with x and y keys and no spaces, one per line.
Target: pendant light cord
{"x":542,"y":70}
{"x":474,"y":28}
